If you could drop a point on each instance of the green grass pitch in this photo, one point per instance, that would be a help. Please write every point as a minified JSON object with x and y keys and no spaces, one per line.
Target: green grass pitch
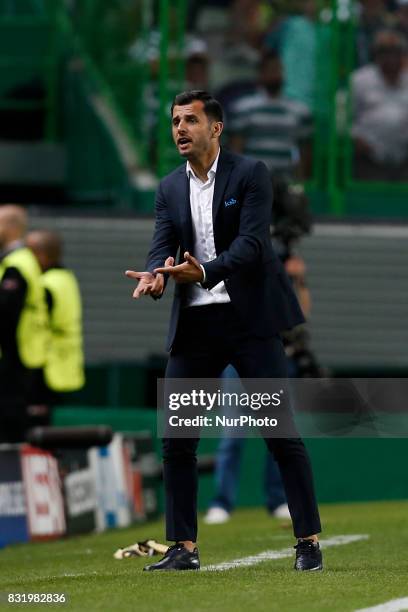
{"x":357,"y":575}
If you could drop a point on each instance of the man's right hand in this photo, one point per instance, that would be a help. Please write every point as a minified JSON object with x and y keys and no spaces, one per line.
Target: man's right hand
{"x":149,"y":284}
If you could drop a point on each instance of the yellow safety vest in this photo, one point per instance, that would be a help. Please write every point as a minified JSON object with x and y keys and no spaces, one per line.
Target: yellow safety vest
{"x":32,"y":326}
{"x":64,"y":366}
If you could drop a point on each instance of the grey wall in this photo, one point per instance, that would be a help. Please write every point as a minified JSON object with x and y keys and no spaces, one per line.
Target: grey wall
{"x":357,"y":275}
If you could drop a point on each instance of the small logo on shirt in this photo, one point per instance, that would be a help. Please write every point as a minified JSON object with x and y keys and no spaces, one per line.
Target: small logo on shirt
{"x":230,"y":202}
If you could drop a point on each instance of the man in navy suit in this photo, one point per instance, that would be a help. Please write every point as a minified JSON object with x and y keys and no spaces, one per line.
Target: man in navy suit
{"x":232,"y":298}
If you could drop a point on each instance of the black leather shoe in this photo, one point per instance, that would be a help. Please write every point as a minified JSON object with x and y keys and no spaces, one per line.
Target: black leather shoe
{"x":308,"y":556}
{"x":176,"y":558}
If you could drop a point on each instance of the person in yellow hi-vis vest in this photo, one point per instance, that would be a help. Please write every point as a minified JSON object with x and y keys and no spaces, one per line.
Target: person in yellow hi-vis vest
{"x":63,"y":371}
{"x":23,"y":323}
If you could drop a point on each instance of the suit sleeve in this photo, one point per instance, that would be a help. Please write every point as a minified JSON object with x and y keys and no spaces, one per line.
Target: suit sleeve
{"x":164,"y":242}
{"x":246,"y":248}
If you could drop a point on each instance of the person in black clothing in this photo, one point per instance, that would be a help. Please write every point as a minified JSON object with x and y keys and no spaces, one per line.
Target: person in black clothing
{"x":19,"y":350}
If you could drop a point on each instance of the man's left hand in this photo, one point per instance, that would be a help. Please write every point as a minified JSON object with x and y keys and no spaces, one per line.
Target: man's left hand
{"x":188,"y":272}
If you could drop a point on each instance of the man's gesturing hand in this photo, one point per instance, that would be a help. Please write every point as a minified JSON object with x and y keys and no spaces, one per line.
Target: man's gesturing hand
{"x":188,"y":272}
{"x":149,"y":284}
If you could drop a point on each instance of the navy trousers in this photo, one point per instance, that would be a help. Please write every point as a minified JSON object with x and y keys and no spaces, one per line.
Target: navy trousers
{"x":228,"y":462}
{"x":208,"y":339}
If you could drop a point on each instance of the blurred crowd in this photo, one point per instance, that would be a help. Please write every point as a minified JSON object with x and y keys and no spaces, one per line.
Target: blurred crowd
{"x":260,"y":59}
{"x":263,"y":66}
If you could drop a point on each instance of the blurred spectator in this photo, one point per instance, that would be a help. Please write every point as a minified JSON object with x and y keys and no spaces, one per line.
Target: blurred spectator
{"x":380,"y":111}
{"x":291,"y":221}
{"x":234,"y":71}
{"x":228,"y":465}
{"x":197,"y":64}
{"x":402,"y":18}
{"x":269,"y":126}
{"x":210,"y":21}
{"x":230,"y":449}
{"x":23,"y":332}
{"x":196,"y":77}
{"x":373,"y":18}
{"x":247,"y":22}
{"x":238,"y":52}
{"x":295,"y":39}
{"x":197,"y":7}
{"x":228,"y":95}
{"x":63,"y":371}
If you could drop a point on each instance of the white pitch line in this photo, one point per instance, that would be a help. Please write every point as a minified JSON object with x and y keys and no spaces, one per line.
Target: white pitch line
{"x":394,"y":605}
{"x":267,"y":555}
{"x":70,"y":575}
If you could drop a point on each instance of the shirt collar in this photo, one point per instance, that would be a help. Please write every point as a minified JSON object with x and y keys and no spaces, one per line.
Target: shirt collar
{"x":211,"y":173}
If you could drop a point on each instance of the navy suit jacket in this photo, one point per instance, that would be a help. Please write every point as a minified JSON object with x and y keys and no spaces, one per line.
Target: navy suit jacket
{"x":255,"y":279}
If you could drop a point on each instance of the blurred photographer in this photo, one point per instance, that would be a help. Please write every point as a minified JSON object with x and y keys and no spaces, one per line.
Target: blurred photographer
{"x":291,"y":220}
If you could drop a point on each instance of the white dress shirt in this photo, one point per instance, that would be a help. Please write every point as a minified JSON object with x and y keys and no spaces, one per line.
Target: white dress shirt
{"x":201,"y":199}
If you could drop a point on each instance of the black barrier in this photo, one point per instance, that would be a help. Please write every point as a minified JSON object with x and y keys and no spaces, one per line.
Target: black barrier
{"x":70,"y":437}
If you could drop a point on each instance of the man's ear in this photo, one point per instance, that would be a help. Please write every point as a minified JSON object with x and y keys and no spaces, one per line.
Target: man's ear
{"x":217,"y":129}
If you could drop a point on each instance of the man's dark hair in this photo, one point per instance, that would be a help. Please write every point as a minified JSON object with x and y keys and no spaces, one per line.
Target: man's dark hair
{"x":212,"y":107}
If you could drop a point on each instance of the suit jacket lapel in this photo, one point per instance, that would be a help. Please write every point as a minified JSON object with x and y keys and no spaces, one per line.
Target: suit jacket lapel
{"x":225,"y":163}
{"x":185,"y":210}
